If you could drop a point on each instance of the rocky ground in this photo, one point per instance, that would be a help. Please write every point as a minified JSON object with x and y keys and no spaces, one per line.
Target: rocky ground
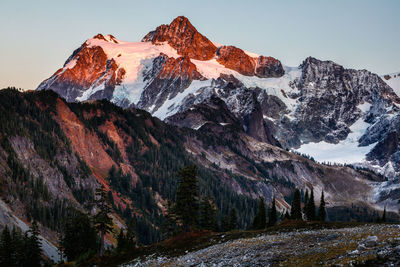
{"x":366,"y":245}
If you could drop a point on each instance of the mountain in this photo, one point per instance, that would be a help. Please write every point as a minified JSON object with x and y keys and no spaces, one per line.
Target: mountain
{"x":54,"y":154}
{"x":319,"y":108}
{"x":177,"y":98}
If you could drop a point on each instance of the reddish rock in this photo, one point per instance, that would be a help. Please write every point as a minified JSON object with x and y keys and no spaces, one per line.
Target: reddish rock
{"x":236,"y":59}
{"x":100,"y":37}
{"x":84,"y":142}
{"x":268,"y":67}
{"x":181,"y":67}
{"x":184,"y":37}
{"x":91,"y":66}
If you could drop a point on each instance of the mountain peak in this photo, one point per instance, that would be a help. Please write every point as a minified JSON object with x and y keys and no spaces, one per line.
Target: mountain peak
{"x":107,"y":38}
{"x":184,"y":37}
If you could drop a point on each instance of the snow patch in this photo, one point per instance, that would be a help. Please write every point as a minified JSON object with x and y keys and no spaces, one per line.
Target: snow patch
{"x":345,"y":152}
{"x":171,"y":106}
{"x":393,"y":82}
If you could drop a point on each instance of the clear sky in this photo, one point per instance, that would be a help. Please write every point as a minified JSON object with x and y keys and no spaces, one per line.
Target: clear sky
{"x":36,"y":37}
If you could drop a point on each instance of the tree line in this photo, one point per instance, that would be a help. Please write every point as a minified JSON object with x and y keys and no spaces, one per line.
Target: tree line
{"x":83,"y":235}
{"x":298,"y":211}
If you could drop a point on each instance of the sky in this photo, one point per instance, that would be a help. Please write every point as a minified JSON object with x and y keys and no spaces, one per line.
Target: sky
{"x":36,"y":37}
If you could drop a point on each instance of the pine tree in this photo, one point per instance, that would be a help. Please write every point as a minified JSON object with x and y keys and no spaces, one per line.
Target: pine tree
{"x":233,"y":219}
{"x":33,"y":251}
{"x":20,"y":245}
{"x":306,"y":197}
{"x":126,"y":239}
{"x":260,"y":220}
{"x":6,"y":248}
{"x":79,"y":236}
{"x":295,"y":211}
{"x":102,"y":220}
{"x":121,"y":241}
{"x":170,"y":222}
{"x":322,"y":210}
{"x":273,"y":216}
{"x":187,"y":197}
{"x":383,"y":219}
{"x":287,"y":215}
{"x":208,"y":215}
{"x":310,"y":207}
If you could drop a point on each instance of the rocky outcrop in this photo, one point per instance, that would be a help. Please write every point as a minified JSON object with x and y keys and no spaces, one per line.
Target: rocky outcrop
{"x":212,"y":110}
{"x":268,"y":67}
{"x":236,"y":59}
{"x":184,"y":37}
{"x":167,"y":78}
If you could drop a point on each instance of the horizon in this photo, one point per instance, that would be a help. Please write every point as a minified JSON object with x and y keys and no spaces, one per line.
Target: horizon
{"x":357,"y":34}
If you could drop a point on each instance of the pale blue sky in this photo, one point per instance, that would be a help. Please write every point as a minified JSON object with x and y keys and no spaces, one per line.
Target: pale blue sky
{"x":38,"y":36}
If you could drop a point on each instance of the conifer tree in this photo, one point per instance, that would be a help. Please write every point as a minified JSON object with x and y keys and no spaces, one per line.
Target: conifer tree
{"x":322,"y":210}
{"x":33,"y":251}
{"x":79,"y":236}
{"x":260,"y":220}
{"x":121,"y":241}
{"x":306,"y":197}
{"x":102,"y":220}
{"x":383,"y":219}
{"x":170,"y":222}
{"x":6,"y":248}
{"x":287,"y":215}
{"x":295,"y":211}
{"x":187,"y":198}
{"x":208,"y":215}
{"x":310,"y":207}
{"x":273,"y":216}
{"x":233,"y":219}
{"x":224,"y":224}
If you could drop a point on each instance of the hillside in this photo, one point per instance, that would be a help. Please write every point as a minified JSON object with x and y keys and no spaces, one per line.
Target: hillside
{"x":55,"y":153}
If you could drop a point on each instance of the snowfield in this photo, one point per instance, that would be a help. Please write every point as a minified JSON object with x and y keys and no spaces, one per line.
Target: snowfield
{"x":347,"y":151}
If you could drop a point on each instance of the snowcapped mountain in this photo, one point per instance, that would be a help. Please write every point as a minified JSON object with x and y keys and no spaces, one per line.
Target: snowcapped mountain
{"x":319,"y":108}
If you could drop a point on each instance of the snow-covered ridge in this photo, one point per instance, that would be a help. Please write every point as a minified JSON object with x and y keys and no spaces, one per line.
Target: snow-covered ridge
{"x":135,"y":57}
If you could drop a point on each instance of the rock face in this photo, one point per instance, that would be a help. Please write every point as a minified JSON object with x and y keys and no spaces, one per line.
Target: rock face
{"x":236,"y":59}
{"x":184,"y":37}
{"x":87,"y":67}
{"x":267,"y":67}
{"x":167,"y":78}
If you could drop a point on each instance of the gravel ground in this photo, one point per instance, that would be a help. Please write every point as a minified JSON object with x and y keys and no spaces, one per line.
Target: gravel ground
{"x":327,"y":247}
